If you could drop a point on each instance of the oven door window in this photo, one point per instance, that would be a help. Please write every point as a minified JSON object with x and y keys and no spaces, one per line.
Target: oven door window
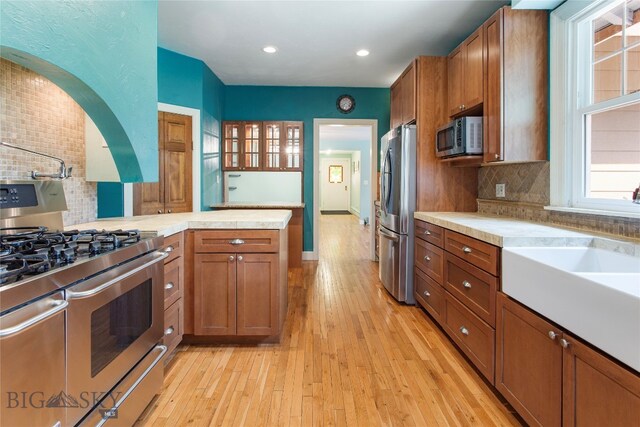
{"x":446,"y":139}
{"x":117,"y":324}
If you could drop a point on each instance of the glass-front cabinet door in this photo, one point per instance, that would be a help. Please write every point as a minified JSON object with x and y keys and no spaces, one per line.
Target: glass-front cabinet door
{"x":252,"y":146}
{"x":293,"y":146}
{"x":232,"y":145}
{"x":272,"y":145}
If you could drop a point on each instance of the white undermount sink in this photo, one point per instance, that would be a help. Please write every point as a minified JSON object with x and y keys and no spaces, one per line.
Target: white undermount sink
{"x":591,"y":292}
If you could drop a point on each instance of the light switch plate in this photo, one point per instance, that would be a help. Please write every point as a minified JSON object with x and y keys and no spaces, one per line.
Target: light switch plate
{"x":500,"y":190}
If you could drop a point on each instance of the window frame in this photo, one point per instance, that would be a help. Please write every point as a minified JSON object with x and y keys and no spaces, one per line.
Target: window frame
{"x":571,"y":95}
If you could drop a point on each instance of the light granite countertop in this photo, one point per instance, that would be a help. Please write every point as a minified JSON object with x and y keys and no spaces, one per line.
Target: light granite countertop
{"x":259,"y":205}
{"x":509,"y":232}
{"x":167,"y":224}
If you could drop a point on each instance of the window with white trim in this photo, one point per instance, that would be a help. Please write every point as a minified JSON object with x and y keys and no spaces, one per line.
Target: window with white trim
{"x":595,"y":144}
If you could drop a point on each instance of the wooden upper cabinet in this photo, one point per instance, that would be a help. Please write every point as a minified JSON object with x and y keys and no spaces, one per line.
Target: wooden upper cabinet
{"x":263,"y":146}
{"x":408,"y":86}
{"x":404,"y":96}
{"x":455,"y":81}
{"x":597,"y":391}
{"x":516,"y":96}
{"x":466,"y":74}
{"x":396,"y":104}
{"x":529,"y":363}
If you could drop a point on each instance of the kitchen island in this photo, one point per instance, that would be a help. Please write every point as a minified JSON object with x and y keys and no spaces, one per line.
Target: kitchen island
{"x":296,"y":228}
{"x":225,"y":280}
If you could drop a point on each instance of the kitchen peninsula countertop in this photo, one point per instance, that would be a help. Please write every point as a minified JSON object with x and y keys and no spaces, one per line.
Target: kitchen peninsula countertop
{"x":510,"y":232}
{"x":258,"y":205}
{"x":168,"y":224}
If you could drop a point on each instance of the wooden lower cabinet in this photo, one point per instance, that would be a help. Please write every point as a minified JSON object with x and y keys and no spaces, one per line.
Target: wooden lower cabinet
{"x":257,"y":294}
{"x":551,"y":378}
{"x":596,"y":390}
{"x":214,"y":294}
{"x":528,"y":363}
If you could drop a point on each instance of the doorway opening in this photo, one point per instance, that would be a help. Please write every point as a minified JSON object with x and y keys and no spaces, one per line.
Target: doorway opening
{"x":345,"y":167}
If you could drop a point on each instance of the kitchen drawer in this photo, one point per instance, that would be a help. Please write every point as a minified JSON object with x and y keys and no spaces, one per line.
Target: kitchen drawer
{"x":474,"y":337}
{"x":478,"y":253}
{"x":173,"y":244}
{"x":173,"y":280}
{"x":429,"y":295}
{"x":173,"y":325}
{"x":473,"y":287}
{"x":429,"y":259}
{"x":429,"y":232}
{"x":255,"y":241}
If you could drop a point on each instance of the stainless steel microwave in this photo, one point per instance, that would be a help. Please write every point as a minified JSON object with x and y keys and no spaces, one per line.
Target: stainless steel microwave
{"x":463,"y":136}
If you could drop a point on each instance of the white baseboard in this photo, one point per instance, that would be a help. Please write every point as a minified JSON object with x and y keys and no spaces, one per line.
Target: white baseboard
{"x":309,"y":256}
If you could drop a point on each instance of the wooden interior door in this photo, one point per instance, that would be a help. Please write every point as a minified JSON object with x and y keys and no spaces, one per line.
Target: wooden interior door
{"x":148,"y":197}
{"x":598,"y":391}
{"x":529,"y":363}
{"x":177,"y":163}
{"x":214,"y":288}
{"x":257,"y":291}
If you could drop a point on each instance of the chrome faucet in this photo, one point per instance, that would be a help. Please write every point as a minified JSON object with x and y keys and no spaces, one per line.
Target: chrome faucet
{"x":63,"y":173}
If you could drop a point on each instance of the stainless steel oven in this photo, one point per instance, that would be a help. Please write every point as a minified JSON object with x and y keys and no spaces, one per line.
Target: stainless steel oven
{"x":113,"y":321}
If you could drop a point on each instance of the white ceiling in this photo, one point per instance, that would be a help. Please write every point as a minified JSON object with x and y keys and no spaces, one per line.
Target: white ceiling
{"x":333,"y":133}
{"x":316,"y":40}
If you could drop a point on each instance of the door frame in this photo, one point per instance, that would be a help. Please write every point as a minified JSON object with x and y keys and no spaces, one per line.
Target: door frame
{"x":343,"y":177}
{"x":373,"y":178}
{"x":196,"y":200}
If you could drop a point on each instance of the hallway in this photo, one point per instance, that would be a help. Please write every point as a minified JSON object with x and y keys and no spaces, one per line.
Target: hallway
{"x":350,"y":355}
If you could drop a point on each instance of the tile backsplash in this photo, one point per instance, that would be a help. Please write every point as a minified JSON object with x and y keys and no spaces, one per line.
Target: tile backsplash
{"x":38,"y":115}
{"x":527,"y":193}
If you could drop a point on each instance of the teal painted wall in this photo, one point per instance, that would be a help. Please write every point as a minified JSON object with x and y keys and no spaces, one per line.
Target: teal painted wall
{"x":306,"y":104}
{"x":103,"y":54}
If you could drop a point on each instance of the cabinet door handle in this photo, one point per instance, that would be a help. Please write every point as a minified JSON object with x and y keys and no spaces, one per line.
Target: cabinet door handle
{"x":466,"y":284}
{"x":427,"y":233}
{"x":168,"y":331}
{"x":564,"y":343}
{"x":168,"y":249}
{"x":427,"y":294}
{"x":552,"y":335}
{"x":464,"y":331}
{"x":427,"y":258}
{"x":236,"y":242}
{"x":169,"y":285}
{"x":240,"y":258}
{"x":169,"y":211}
{"x":466,"y":249}
{"x":231,"y":258}
{"x":159,"y":211}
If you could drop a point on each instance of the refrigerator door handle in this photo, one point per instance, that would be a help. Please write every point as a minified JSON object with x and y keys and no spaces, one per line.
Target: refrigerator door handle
{"x":387,"y":175}
{"x":389,"y":236}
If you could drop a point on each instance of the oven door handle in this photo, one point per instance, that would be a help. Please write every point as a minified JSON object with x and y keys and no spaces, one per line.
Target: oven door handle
{"x":159,"y":256}
{"x":58,"y":305}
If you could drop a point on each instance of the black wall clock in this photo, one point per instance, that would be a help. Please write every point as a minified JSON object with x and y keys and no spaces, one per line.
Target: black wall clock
{"x":346,"y":104}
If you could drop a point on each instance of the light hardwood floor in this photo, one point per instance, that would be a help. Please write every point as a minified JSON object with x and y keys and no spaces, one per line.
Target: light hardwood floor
{"x":350,"y":356}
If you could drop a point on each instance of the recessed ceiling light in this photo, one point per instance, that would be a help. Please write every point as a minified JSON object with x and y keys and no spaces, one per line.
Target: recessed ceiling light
{"x":270,"y":49}
{"x":362,"y":52}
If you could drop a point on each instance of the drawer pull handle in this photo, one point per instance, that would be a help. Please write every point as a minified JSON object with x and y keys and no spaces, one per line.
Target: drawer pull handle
{"x":168,"y":331}
{"x":466,"y":284}
{"x":427,"y":233}
{"x":427,"y":294}
{"x":464,"y":331}
{"x":168,"y":249}
{"x":169,"y":285}
{"x":427,"y":258}
{"x":564,"y":343}
{"x":466,"y":249}
{"x":236,"y":242}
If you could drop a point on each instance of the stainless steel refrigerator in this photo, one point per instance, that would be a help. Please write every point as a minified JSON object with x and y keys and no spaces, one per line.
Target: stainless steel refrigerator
{"x":397,"y":204}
